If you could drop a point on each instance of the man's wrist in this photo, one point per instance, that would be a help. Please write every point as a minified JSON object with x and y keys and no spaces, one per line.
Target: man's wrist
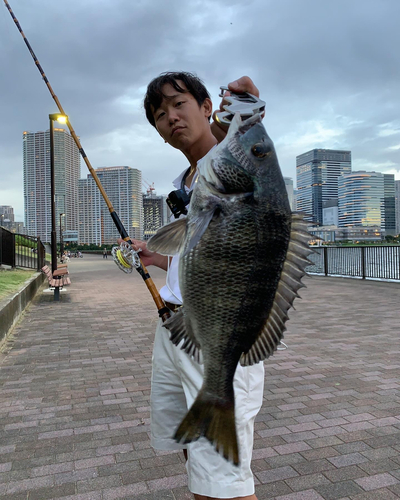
{"x":218,"y":132}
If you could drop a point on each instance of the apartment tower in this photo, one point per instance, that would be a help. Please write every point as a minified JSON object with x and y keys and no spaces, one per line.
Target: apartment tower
{"x":123,"y":187}
{"x":37,"y":182}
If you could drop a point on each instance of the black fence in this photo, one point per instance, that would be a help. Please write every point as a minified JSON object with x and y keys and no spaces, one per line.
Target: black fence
{"x":367,"y":262}
{"x":20,"y":250}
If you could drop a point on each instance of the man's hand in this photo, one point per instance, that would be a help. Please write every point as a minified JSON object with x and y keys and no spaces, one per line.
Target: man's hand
{"x":243,"y":84}
{"x":148,"y":258}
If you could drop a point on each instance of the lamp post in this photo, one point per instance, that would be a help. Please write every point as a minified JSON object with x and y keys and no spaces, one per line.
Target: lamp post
{"x":61,"y":238}
{"x":61,"y":119}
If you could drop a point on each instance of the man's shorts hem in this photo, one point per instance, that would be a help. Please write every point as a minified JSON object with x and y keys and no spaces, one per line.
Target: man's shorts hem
{"x":166,"y":444}
{"x":221,"y":490}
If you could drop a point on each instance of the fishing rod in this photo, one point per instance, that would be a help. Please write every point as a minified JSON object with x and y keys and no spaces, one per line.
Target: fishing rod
{"x":125,"y":256}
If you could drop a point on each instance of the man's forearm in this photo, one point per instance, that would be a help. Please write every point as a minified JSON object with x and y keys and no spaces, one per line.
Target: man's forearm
{"x":160,"y":261}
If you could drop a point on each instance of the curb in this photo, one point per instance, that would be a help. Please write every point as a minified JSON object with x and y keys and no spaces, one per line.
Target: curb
{"x":12,"y":308}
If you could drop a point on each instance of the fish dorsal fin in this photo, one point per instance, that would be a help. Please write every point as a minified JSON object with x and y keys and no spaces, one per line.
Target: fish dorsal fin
{"x":293,"y":270}
{"x":181,"y":330}
{"x":169,"y":239}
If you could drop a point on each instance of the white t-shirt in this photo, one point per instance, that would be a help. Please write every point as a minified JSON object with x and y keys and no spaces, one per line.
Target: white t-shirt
{"x":171,"y":291}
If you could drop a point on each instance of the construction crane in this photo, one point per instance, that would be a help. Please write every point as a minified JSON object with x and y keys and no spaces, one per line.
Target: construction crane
{"x":149,"y":187}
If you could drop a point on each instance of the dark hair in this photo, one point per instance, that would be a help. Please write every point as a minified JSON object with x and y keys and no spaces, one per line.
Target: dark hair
{"x":154,"y":95}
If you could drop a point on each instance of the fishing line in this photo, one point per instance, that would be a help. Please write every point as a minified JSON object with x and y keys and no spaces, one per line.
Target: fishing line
{"x":125,"y":257}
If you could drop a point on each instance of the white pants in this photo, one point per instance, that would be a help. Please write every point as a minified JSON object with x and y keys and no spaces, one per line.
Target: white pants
{"x":176,"y":381}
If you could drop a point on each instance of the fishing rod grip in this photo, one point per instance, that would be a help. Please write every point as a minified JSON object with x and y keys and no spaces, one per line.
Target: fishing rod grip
{"x":163,"y":311}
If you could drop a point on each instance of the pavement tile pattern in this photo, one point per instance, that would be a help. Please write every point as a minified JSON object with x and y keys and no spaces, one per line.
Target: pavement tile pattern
{"x":75,"y":387}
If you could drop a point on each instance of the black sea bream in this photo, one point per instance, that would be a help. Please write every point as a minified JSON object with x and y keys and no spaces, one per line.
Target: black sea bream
{"x":242,"y":255}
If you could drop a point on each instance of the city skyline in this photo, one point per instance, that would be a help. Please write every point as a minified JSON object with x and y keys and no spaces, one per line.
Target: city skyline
{"x":339,"y":93}
{"x":321,"y":175}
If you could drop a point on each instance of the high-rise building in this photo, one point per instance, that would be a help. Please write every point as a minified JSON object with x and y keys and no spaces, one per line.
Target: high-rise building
{"x":89,"y":212}
{"x":6,"y":214}
{"x":397,"y":205}
{"x":389,"y":201}
{"x":289,"y":189}
{"x":294,"y":208}
{"x":155,"y":214}
{"x":123,"y":188}
{"x":7,"y":220}
{"x":330,"y":212}
{"x":317,"y":172}
{"x":37,"y":181}
{"x":366,"y":199}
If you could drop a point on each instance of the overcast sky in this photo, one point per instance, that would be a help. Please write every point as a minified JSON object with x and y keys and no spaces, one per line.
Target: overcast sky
{"x":329,"y":71}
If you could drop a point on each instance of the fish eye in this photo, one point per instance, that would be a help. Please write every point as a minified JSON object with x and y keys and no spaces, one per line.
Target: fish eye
{"x":260,"y":150}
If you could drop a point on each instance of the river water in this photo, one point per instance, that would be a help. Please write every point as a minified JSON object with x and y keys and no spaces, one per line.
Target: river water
{"x":375,"y":262}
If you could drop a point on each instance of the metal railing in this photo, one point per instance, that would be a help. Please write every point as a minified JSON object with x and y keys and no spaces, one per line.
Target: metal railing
{"x":20,"y":250}
{"x":366,"y":262}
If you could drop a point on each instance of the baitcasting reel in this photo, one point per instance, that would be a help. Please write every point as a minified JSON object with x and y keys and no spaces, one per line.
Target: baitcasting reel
{"x":126,"y":257}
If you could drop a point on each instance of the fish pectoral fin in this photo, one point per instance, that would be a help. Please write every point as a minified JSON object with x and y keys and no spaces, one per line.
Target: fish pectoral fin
{"x":180,"y":330}
{"x":290,"y":282}
{"x":197,"y":226}
{"x":169,"y":239}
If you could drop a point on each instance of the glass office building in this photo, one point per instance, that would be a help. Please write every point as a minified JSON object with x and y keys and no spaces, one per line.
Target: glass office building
{"x":397,"y":206}
{"x":317,"y":173}
{"x":367,"y":199}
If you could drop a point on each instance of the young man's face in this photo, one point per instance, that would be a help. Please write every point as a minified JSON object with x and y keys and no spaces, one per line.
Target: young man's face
{"x":180,"y":120}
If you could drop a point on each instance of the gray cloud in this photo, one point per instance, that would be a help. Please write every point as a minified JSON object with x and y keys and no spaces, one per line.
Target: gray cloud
{"x":329,"y":72}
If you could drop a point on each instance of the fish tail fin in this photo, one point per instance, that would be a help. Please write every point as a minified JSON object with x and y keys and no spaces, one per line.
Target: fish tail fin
{"x":215,"y":420}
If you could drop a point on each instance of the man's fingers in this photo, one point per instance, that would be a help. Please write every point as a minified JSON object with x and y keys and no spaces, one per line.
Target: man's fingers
{"x":135,"y":244}
{"x":244,"y":84}
{"x":224,"y":102}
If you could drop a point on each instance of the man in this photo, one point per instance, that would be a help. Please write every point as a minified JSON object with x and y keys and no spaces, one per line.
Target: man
{"x":179,"y":107}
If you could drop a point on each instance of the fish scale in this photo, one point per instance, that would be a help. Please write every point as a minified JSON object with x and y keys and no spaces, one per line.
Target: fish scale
{"x":242,"y":256}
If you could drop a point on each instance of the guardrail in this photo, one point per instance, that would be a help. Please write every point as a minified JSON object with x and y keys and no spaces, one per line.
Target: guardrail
{"x":20,"y":250}
{"x":366,"y":262}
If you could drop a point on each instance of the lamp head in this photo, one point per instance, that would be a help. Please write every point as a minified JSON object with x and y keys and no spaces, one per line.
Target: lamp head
{"x":58,"y":117}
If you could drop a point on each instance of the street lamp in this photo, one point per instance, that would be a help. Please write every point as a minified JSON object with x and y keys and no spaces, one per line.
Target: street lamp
{"x":61,"y":238}
{"x":61,"y":119}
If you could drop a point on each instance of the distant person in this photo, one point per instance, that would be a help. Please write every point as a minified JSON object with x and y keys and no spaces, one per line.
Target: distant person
{"x":105,"y":253}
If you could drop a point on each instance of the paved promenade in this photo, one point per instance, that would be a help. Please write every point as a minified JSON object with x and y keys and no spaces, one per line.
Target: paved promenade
{"x":75,"y":387}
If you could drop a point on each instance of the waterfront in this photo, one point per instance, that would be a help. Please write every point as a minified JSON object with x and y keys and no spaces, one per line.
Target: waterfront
{"x":371,"y":262}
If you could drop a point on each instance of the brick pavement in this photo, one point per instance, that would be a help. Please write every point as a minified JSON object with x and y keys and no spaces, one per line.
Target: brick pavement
{"x":74,"y":399}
